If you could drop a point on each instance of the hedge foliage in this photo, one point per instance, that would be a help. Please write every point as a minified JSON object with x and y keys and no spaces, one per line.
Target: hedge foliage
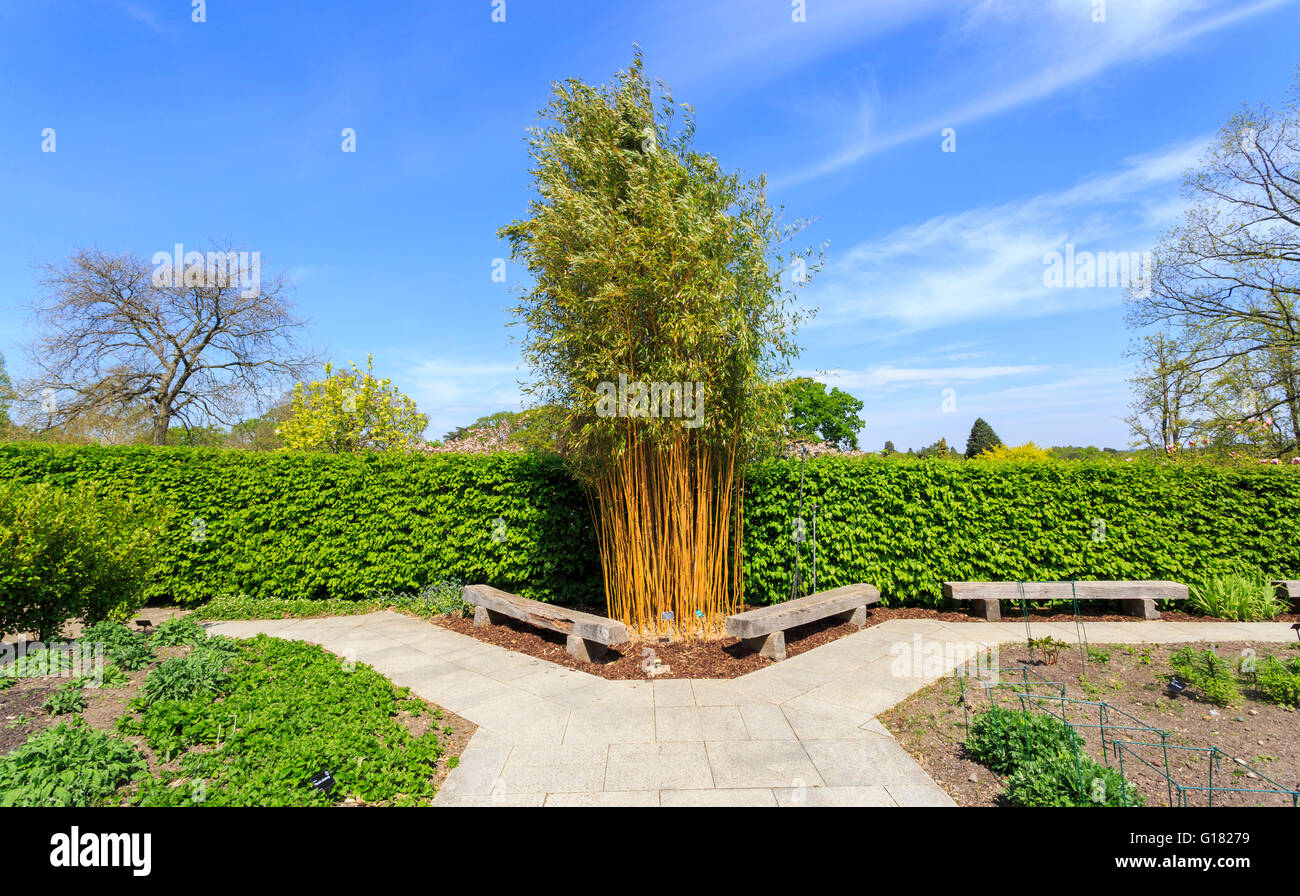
{"x":308,"y":525}
{"x":291,"y":525}
{"x":908,"y":526}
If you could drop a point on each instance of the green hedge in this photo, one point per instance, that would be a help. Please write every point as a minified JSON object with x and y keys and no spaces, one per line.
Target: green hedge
{"x":908,"y":526}
{"x":296,"y":525}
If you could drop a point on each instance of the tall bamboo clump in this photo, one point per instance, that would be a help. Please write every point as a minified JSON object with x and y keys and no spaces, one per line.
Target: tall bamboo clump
{"x":658,"y":321}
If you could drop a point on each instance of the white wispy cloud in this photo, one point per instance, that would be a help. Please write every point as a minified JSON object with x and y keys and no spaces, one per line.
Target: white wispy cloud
{"x":1015,"y":52}
{"x":455,"y":393}
{"x":887,"y":378}
{"x":146,"y":16}
{"x":988,"y":262}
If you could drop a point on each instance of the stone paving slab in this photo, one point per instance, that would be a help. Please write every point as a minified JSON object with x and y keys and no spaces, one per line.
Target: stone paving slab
{"x":802,"y":732}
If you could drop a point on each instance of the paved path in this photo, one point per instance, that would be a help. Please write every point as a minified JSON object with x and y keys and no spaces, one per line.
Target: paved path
{"x":800,"y":732}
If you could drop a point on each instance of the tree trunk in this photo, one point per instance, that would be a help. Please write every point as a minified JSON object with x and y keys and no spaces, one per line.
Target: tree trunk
{"x":161,"y":423}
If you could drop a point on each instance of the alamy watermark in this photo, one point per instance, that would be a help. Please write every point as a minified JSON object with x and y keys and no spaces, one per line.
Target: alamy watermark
{"x":923,"y":658}
{"x":684,"y":400}
{"x":1128,"y":270}
{"x":210,"y":269}
{"x":37,"y":659}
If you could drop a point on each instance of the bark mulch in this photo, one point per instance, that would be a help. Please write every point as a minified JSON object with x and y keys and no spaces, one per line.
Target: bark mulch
{"x":726,"y":658}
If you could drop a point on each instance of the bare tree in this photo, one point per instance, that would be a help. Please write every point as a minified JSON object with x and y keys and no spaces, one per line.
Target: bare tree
{"x":193,"y":340}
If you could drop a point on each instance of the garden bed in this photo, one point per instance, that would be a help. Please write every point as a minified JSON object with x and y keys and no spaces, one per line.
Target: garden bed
{"x":931,"y":724}
{"x":247,"y":729}
{"x":725,"y":657}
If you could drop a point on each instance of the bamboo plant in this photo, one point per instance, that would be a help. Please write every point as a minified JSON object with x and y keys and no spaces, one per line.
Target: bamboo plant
{"x":659,"y":317}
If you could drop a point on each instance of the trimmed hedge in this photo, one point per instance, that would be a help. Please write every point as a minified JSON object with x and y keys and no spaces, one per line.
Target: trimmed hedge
{"x":292,"y":525}
{"x":908,"y":526}
{"x":306,"y":525}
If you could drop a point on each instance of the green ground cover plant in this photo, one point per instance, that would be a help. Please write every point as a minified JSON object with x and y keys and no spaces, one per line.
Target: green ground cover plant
{"x":70,"y":764}
{"x":250,"y":724}
{"x":1044,"y":760}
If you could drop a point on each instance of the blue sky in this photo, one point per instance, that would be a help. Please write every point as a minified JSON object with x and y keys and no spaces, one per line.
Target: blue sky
{"x":1068,"y":131}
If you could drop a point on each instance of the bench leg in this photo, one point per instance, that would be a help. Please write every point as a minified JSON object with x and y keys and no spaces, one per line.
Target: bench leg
{"x":584,"y":651}
{"x":857,"y":616}
{"x":988,"y":609}
{"x":483,"y":616}
{"x":1141,"y":607}
{"x":771,"y":646}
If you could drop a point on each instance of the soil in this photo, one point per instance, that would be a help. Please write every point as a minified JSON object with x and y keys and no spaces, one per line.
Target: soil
{"x":931,"y":726}
{"x":21,"y":717}
{"x":726,"y":658}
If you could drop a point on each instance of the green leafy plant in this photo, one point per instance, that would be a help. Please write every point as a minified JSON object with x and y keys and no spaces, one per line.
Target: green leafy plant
{"x":1096,"y":655}
{"x":70,"y":553}
{"x":1068,"y":779}
{"x":110,"y":634}
{"x":288,"y":710}
{"x":133,"y":655}
{"x":67,"y":765}
{"x":66,"y":699}
{"x":1246,"y":597}
{"x":1045,"y":760}
{"x":1210,"y":677}
{"x":113,"y":677}
{"x":1004,"y":739}
{"x":1278,"y":680}
{"x":177,"y":631}
{"x":201,"y":672}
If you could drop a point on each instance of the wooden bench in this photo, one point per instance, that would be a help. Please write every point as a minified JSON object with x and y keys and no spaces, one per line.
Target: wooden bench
{"x":764,"y":629}
{"x":587,"y":636}
{"x":1137,"y":598}
{"x":1288,"y":590}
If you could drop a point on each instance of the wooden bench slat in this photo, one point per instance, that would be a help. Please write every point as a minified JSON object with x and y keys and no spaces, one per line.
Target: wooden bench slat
{"x":1138,"y":597}
{"x":587,"y":626}
{"x":1288,"y":588}
{"x":1155,"y":590}
{"x":793,"y":613}
{"x":763,"y":629}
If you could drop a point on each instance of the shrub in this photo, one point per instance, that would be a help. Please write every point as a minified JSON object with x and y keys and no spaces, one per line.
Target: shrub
{"x":1211,"y":678}
{"x":1026,"y":452}
{"x":1245,"y":597}
{"x":176,"y":631}
{"x":70,"y":554}
{"x":1045,"y":759}
{"x":67,"y":765}
{"x":1004,"y":739}
{"x":1067,"y":779}
{"x":1278,"y":681}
